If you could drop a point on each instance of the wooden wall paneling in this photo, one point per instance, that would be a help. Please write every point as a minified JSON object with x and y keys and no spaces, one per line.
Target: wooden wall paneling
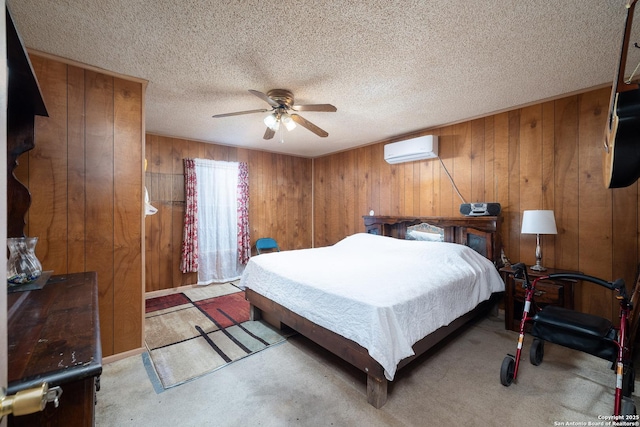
{"x":548,"y":174}
{"x":48,"y":211}
{"x":81,"y":210}
{"x":292,"y":181}
{"x":376,"y":159}
{"x":243,"y":155}
{"x":128,"y":214}
{"x":255,"y":201}
{"x":152,"y":222}
{"x":318,"y":206}
{"x":100,"y":200}
{"x":385,"y":176}
{"x":281,"y":229}
{"x":289,"y":208}
{"x":411,"y":188}
{"x":477,"y":161}
{"x":233,"y":154}
{"x":263,"y":214}
{"x":488,"y":151}
{"x":423,"y":187}
{"x":446,"y":147}
{"x":163,"y":168}
{"x":546,"y":156}
{"x":514,"y":215}
{"x":326,"y":202}
{"x":625,"y":250}
{"x":334,"y":200}
{"x":462,"y":165}
{"x":304,"y":170}
{"x":431,"y":181}
{"x":306,"y":195}
{"x":347,"y":173}
{"x":271,"y":207}
{"x":502,"y":168}
{"x":566,"y":175}
{"x":362,"y":185}
{"x":530,"y":177}
{"x":21,"y":172}
{"x":76,"y":192}
{"x":150,"y":260}
{"x":395,"y":187}
{"x":410,"y":179}
{"x":322,"y":199}
{"x":595,"y":217}
{"x":211,"y":152}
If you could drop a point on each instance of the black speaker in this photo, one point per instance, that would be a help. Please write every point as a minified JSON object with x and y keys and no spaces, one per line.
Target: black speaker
{"x":480,"y":209}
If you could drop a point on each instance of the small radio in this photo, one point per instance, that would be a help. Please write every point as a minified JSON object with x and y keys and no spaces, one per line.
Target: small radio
{"x":480,"y":209}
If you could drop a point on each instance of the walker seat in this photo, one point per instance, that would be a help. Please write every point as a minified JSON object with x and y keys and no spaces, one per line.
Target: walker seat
{"x":584,"y":332}
{"x":579,"y":331}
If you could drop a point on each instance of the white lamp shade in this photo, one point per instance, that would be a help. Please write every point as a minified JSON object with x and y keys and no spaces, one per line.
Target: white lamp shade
{"x":272,"y":122}
{"x":288,"y":122}
{"x":538,"y":222}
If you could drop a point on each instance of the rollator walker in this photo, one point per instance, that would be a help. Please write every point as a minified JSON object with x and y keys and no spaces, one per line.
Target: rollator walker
{"x":580,"y":331}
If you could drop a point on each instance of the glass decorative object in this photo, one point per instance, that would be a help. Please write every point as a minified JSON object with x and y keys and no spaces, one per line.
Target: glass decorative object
{"x":23,"y":266}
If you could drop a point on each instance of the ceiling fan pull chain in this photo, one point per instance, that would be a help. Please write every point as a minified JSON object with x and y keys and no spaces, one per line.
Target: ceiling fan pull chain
{"x":628,"y":81}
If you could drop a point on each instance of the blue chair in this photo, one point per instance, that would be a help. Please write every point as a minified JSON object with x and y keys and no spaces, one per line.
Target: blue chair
{"x":268,"y":244}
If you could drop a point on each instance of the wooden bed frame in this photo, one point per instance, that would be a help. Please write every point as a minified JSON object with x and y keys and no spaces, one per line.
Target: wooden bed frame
{"x":480,"y":233}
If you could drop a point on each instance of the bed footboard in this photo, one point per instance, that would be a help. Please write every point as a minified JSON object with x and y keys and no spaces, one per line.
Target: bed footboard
{"x":348,"y":350}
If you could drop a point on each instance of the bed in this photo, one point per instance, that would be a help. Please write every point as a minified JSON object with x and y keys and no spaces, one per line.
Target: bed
{"x":364,"y":298}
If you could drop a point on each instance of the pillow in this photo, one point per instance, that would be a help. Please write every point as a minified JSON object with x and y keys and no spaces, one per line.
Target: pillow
{"x":424,"y":236}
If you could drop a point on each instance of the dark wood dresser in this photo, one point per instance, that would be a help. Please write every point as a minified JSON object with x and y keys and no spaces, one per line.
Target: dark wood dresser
{"x":54,"y":337}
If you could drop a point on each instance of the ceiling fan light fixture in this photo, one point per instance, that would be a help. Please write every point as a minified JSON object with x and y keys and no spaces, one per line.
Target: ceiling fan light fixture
{"x":272,"y":122}
{"x":288,"y":122}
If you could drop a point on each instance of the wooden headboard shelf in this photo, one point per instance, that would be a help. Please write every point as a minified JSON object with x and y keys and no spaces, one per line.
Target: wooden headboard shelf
{"x":482,"y":233}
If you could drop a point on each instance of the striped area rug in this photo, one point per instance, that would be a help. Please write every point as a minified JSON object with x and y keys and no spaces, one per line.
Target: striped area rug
{"x":200,"y":330}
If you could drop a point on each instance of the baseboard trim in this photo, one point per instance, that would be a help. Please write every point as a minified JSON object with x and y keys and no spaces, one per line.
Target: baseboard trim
{"x":163,"y":292}
{"x":123,"y":355}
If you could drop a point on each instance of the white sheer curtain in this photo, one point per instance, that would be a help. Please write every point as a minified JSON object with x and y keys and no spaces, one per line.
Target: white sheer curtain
{"x":217,"y":183}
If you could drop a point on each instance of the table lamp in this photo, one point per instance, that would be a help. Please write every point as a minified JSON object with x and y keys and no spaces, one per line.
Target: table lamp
{"x":538,"y":222}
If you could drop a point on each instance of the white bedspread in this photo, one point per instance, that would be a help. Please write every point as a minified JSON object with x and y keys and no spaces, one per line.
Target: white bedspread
{"x":383,"y":293}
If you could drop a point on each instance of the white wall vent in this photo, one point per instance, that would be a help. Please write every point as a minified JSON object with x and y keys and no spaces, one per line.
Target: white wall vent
{"x":423,"y":147}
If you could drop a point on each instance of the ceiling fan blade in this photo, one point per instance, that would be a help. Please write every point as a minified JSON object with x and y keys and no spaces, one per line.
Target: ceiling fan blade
{"x":269,"y":133}
{"x":315,"y":107}
{"x":264,"y":97}
{"x":307,"y":124}
{"x":264,"y":110}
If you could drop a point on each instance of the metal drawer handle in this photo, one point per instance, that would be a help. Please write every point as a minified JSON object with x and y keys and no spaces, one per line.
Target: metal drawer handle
{"x":539,"y":293}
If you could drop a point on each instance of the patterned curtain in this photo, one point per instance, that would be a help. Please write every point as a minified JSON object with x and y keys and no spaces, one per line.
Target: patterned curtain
{"x":189,"y":262}
{"x":244,"y":238}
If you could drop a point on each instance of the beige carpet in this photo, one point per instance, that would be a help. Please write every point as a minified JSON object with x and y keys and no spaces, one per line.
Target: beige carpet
{"x":299,"y":384}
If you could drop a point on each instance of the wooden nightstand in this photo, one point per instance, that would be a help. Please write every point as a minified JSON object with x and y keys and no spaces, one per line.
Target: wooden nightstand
{"x":551,"y":291}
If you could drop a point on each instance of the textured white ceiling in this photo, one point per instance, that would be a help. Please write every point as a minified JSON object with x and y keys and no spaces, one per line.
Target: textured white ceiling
{"x":390,"y":67}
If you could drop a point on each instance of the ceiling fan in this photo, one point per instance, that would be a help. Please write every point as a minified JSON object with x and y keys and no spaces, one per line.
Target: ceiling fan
{"x":281,"y":102}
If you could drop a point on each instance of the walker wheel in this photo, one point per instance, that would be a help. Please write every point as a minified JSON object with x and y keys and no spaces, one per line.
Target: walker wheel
{"x":506,"y":371}
{"x":628,"y":406}
{"x":536,"y":353}
{"x":628,"y":379}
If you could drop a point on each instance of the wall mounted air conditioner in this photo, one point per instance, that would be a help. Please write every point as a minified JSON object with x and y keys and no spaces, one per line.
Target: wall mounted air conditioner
{"x":423,"y":147}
